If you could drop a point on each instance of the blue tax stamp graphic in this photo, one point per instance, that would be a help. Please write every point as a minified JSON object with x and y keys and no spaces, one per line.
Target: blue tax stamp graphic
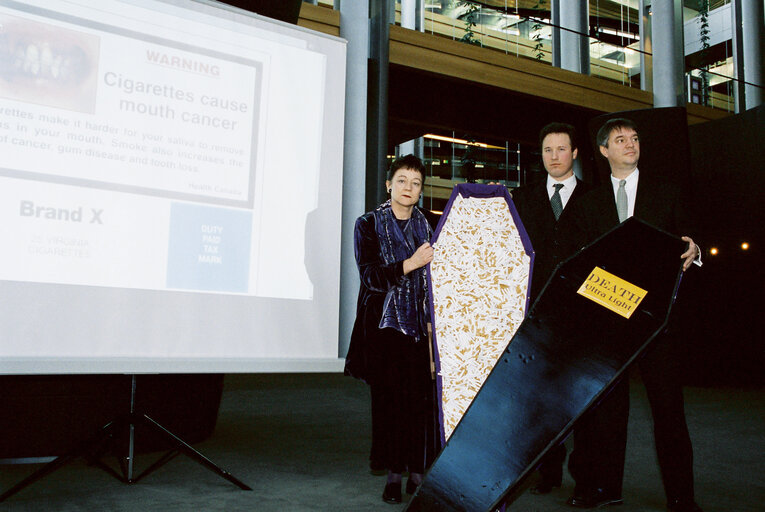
{"x":209,"y":248}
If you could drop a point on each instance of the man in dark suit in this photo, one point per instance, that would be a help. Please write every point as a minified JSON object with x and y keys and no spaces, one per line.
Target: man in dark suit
{"x":544,"y":207}
{"x":600,"y":438}
{"x":536,"y":203}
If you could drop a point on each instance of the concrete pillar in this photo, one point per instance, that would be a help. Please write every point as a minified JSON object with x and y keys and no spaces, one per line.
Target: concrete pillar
{"x":570,"y":42}
{"x":413,"y":15}
{"x":668,"y":59}
{"x":646,"y":47}
{"x":354,"y":27}
{"x":381,"y":14}
{"x":748,"y":34}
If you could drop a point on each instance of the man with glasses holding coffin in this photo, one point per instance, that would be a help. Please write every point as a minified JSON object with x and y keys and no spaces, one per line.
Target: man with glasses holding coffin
{"x":600,"y":437}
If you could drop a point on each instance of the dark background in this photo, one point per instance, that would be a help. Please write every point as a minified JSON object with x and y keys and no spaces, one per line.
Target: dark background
{"x":728,"y":185}
{"x":717,"y":314}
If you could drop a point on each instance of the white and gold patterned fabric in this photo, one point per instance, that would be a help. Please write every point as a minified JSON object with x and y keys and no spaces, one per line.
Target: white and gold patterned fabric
{"x":480,"y":279}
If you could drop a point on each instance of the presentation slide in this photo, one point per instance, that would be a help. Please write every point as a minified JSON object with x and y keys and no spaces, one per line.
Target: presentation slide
{"x":170,"y":189}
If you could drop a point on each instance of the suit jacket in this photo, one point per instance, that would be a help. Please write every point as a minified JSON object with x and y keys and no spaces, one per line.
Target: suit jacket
{"x":546,"y":234}
{"x":657,"y":202}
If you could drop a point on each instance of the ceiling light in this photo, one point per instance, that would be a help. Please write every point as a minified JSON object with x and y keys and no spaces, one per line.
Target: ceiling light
{"x":460,"y":141}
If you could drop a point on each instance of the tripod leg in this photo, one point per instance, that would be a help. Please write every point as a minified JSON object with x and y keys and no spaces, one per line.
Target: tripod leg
{"x":44,"y":471}
{"x":194,"y":454}
{"x":98,"y":440}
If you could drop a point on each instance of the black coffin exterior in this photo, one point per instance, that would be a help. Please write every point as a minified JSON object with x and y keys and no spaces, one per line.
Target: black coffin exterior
{"x":564,"y":357}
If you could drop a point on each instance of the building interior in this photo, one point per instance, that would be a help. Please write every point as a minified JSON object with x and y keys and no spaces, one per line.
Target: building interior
{"x":466,"y":86}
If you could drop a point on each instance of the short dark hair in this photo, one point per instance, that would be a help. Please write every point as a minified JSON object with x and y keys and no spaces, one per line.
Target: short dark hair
{"x":558,"y":128}
{"x":617,"y":123}
{"x":407,"y":162}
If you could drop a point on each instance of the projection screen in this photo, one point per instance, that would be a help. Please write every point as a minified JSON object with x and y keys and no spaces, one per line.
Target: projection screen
{"x":170,"y":189}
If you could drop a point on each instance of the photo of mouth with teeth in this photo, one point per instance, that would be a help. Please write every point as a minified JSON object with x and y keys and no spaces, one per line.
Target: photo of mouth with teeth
{"x":48,"y":65}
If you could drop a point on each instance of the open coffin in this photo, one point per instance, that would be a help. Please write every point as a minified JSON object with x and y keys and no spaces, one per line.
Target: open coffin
{"x":565,"y":355}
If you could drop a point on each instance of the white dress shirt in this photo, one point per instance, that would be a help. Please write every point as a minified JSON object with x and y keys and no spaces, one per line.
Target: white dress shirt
{"x":630,"y":187}
{"x":569,"y":184}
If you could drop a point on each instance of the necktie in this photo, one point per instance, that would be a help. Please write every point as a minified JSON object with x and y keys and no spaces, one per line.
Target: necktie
{"x":621,"y":201}
{"x":555,"y":201}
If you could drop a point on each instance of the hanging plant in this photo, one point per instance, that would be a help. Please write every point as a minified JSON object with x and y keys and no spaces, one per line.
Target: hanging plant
{"x":704,"y":54}
{"x":537,"y":38}
{"x":470,"y":18}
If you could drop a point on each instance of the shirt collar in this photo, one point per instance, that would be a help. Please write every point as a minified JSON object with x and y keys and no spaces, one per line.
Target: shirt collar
{"x":631,"y":179}
{"x":569,"y":182}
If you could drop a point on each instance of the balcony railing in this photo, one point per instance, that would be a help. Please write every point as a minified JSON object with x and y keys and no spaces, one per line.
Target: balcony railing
{"x":527,"y":32}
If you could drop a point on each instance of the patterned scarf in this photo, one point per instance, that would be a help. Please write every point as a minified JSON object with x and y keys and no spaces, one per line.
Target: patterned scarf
{"x":405,"y":307}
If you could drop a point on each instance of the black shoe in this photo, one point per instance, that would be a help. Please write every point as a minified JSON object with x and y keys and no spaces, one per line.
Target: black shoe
{"x":392,"y":492}
{"x":594,"y":498}
{"x":545,"y":485}
{"x":411,"y":487}
{"x":683,"y":506}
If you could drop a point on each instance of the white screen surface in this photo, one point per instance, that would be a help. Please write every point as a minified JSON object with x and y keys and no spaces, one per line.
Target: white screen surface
{"x":170,"y":189}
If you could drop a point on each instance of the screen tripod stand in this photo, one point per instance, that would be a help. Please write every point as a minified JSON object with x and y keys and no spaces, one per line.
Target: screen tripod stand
{"x":99,"y":445}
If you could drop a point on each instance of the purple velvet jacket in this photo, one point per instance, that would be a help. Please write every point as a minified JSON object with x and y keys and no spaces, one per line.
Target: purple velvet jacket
{"x":387,"y":297}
